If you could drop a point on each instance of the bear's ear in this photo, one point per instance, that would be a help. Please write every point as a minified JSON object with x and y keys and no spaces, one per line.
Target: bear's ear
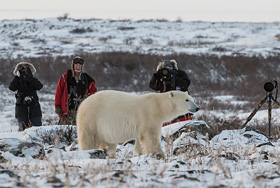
{"x":187,"y":92}
{"x":171,"y":94}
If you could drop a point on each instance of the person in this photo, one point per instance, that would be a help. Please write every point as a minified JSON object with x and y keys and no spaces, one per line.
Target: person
{"x":72,"y":88}
{"x":28,"y":110}
{"x":168,"y":77}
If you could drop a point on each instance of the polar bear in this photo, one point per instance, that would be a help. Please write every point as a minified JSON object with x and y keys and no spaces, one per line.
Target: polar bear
{"x":110,"y":117}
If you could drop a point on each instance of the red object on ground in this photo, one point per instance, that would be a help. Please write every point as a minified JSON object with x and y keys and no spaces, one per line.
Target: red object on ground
{"x":180,"y":118}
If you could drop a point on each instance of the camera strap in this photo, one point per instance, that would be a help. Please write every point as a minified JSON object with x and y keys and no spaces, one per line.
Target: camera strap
{"x":173,"y":86}
{"x":28,"y":112}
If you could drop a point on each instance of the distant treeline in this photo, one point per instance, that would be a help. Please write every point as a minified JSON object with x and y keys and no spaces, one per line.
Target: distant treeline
{"x":209,"y":74}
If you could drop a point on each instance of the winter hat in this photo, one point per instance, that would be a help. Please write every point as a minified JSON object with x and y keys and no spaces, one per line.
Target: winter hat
{"x":174,"y":64}
{"x":77,"y":59}
{"x":167,"y":64}
{"x":171,"y":63}
{"x":21,"y":65}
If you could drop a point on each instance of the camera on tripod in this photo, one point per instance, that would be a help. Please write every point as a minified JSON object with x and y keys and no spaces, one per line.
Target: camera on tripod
{"x":270,"y":86}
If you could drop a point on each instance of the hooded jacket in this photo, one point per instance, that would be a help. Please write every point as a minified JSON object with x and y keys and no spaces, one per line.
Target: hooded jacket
{"x":178,"y":80}
{"x":61,"y":95}
{"x":26,"y":87}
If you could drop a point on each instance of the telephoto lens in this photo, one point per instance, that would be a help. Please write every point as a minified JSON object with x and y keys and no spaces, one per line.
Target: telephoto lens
{"x":270,"y":86}
{"x":164,"y":72}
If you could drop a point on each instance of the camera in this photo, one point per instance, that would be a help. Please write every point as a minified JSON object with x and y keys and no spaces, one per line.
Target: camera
{"x":21,"y":99}
{"x":28,"y":100}
{"x":25,"y":73}
{"x":166,"y":74}
{"x":270,"y":86}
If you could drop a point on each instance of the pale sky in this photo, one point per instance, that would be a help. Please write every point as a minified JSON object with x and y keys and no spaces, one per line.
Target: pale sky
{"x":187,"y":10}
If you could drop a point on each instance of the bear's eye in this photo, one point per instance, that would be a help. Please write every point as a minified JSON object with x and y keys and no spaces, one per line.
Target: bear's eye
{"x":187,"y":100}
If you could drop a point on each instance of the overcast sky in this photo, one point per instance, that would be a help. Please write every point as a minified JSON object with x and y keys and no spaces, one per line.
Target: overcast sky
{"x":187,"y":10}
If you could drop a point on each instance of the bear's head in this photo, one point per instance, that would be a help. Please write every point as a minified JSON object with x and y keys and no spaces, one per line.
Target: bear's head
{"x":183,"y":102}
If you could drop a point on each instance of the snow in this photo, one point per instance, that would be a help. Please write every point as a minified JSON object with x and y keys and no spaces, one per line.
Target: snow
{"x":229,"y":159}
{"x":233,"y":158}
{"x":66,"y":36}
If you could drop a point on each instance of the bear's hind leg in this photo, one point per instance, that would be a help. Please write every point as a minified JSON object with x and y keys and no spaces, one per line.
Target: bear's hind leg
{"x":89,"y":142}
{"x":138,"y":147}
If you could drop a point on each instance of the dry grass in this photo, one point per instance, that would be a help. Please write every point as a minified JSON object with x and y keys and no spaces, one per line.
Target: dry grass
{"x":193,"y":164}
{"x":239,"y":75}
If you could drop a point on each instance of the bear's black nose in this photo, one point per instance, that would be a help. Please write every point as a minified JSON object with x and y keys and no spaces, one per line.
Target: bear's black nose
{"x":196,"y":109}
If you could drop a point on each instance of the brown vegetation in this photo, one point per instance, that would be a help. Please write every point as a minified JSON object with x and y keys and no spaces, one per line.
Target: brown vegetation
{"x":236,"y":75}
{"x":210,"y":76}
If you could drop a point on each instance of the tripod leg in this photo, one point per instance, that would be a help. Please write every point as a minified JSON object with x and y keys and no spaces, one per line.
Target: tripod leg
{"x":269,"y":114}
{"x":275,"y":101}
{"x":254,"y":111}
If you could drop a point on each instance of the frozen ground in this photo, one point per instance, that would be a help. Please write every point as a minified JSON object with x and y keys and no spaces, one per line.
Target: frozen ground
{"x":68,"y":36}
{"x":235,"y":158}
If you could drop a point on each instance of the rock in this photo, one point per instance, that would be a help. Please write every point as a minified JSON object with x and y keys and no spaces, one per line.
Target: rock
{"x":174,"y":131}
{"x":201,"y":127}
{"x":22,"y":148}
{"x":56,"y":182}
{"x":186,"y":148}
{"x":256,"y":136}
{"x":9,"y":173}
{"x":98,"y":154}
{"x":2,"y":159}
{"x":241,"y":138}
{"x":230,"y":156}
{"x":132,"y":142}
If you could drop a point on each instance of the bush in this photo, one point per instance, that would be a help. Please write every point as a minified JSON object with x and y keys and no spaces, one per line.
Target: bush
{"x":64,"y":134}
{"x":235,"y":75}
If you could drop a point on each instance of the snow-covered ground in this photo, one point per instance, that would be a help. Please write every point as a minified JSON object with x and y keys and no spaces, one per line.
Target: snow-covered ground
{"x":68,"y":36}
{"x":234,"y":158}
{"x":8,"y":122}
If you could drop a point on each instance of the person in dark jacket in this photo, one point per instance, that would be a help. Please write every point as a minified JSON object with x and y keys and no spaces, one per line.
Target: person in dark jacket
{"x":72,"y":88}
{"x":28,"y":109}
{"x":168,"y":77}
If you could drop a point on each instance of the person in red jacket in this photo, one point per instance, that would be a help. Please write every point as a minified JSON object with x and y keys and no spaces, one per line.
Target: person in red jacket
{"x":72,"y":88}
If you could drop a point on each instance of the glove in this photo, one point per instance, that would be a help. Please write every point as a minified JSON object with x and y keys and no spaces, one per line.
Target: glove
{"x":58,"y":111}
{"x":158,"y":73}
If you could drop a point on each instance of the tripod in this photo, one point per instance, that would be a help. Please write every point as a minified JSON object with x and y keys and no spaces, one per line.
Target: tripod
{"x":270,"y":99}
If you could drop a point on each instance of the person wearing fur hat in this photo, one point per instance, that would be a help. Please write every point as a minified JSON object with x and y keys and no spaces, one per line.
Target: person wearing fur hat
{"x":28,"y":110}
{"x":168,"y":77}
{"x":72,"y":88}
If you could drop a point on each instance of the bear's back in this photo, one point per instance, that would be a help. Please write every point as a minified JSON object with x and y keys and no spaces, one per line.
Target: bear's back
{"x":110,"y":101}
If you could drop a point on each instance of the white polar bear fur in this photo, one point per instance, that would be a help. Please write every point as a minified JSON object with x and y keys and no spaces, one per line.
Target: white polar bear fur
{"x":111,"y":117}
